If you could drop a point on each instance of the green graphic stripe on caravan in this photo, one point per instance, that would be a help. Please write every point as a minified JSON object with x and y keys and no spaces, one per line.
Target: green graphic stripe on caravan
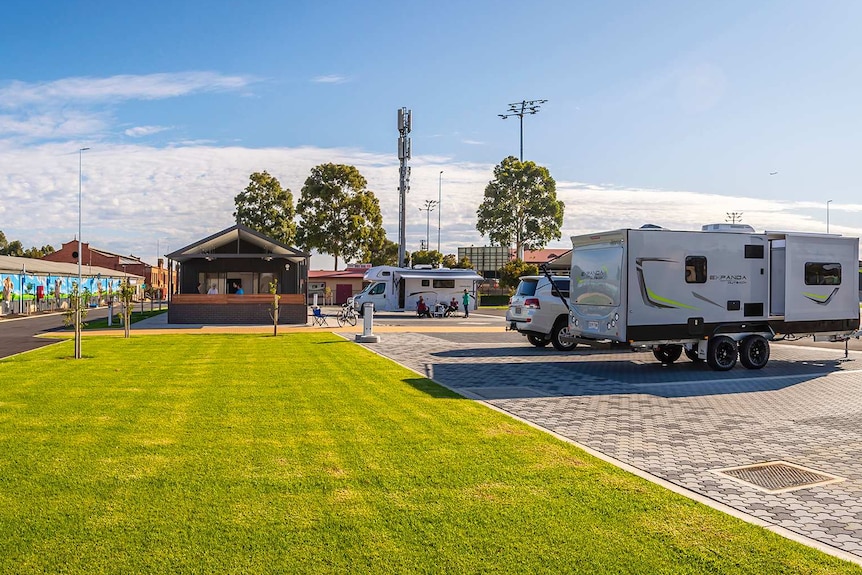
{"x":821,"y":299}
{"x":657,"y":298}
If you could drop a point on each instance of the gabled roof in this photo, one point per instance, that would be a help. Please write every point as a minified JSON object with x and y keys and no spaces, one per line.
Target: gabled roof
{"x":206,"y":247}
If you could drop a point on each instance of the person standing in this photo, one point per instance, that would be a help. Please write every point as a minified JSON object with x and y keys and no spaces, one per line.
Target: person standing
{"x":213,"y":290}
{"x":465,"y":299}
{"x":238,"y":289}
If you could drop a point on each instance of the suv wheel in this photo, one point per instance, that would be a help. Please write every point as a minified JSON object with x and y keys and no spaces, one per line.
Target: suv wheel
{"x":561,"y":329}
{"x":537,"y":340}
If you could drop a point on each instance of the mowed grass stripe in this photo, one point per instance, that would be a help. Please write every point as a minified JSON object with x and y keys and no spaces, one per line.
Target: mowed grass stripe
{"x":305,"y":453}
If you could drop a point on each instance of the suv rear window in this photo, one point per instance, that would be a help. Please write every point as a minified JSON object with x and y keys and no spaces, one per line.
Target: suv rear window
{"x":562,"y":287}
{"x":527,"y":287}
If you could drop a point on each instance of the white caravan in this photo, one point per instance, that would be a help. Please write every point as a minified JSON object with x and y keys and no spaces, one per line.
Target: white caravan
{"x":715,"y":294}
{"x":396,"y":289}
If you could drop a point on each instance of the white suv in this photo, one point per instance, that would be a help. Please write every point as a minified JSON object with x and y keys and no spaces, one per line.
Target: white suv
{"x":538,"y":312}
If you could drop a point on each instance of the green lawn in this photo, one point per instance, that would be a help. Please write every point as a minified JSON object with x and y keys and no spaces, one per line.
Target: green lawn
{"x":305,"y":453}
{"x":135,"y":317}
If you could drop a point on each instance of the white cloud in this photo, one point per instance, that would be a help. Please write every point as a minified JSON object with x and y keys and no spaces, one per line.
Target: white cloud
{"x":140,"y":131}
{"x":473,"y":142}
{"x":136,"y":197}
{"x":330,"y":79}
{"x":118,"y":88}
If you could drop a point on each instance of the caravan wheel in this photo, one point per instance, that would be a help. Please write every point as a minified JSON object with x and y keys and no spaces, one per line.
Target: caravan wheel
{"x":667,"y":353}
{"x":692,"y":355}
{"x":754,"y":352}
{"x":721,"y":354}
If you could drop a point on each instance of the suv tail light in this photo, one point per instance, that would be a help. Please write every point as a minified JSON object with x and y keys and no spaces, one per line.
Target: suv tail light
{"x":532,"y":302}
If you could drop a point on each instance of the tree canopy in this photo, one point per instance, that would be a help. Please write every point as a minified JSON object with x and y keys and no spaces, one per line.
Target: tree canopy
{"x":385,"y":254}
{"x":340,"y":216}
{"x":16,"y":248}
{"x":432,"y":257}
{"x":267,"y":207}
{"x":511,"y":271}
{"x":520,"y":207}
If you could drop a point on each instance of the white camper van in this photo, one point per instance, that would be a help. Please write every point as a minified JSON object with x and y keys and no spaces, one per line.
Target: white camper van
{"x":718,"y":294}
{"x":396,"y":289}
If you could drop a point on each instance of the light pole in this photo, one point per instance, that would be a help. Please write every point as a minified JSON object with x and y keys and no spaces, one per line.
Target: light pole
{"x":429,"y":207}
{"x":827,"y":215}
{"x":439,"y":210}
{"x":80,"y":282}
{"x":520,"y":109}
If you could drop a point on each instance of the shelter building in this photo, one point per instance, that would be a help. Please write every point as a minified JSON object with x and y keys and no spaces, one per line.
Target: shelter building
{"x":212,"y":271}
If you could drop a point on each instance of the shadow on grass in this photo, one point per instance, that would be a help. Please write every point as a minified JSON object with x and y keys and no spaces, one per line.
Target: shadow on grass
{"x":431,"y":389}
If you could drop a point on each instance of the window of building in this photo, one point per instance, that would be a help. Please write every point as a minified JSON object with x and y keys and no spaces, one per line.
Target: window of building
{"x":822,"y":274}
{"x":695,"y":270}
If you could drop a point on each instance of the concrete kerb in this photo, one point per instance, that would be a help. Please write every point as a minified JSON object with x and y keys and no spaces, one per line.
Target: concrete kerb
{"x":678,"y":489}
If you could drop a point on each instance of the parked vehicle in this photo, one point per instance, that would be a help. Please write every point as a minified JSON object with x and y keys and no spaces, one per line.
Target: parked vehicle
{"x":717,"y":294}
{"x":541,"y":313}
{"x":396,"y":289}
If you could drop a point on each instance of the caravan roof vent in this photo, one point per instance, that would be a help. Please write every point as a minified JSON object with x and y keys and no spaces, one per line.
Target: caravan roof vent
{"x":423,"y":267}
{"x":651,"y":227}
{"x":737,"y":228}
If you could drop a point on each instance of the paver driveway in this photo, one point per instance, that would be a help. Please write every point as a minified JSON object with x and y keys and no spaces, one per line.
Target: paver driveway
{"x":679,"y":422}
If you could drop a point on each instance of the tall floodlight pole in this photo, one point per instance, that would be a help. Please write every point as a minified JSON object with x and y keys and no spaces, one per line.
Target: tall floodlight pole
{"x":827,"y":215}
{"x":78,"y":298}
{"x":405,"y":124}
{"x":521,"y":109}
{"x":439,"y":209}
{"x":734,"y":217}
{"x":429,"y":207}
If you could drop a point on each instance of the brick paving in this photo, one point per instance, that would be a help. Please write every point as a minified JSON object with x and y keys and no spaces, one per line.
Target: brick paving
{"x":679,"y":422}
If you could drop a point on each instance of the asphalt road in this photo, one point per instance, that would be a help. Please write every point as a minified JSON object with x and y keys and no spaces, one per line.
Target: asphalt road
{"x":17,"y":335}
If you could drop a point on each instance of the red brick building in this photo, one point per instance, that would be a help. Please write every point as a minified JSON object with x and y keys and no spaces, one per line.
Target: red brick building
{"x":156,"y":277}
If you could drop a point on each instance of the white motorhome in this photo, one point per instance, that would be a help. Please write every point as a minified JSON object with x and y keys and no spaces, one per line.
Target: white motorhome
{"x":717,"y":294}
{"x":396,"y":289}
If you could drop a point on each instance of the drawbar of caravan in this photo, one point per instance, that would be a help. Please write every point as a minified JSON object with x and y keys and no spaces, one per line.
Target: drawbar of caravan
{"x":717,"y":294}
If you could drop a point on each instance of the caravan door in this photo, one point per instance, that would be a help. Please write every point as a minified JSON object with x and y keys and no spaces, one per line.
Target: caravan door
{"x":820,"y":281}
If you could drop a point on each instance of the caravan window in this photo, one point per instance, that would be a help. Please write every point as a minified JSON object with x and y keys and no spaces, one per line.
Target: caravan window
{"x":820,"y":274}
{"x":695,"y":270}
{"x":444,"y":284}
{"x":426,"y":283}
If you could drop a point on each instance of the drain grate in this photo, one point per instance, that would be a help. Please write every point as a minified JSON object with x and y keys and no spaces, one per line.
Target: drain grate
{"x":778,"y":476}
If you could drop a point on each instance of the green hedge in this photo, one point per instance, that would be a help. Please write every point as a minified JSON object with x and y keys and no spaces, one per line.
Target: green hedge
{"x":485,"y":299}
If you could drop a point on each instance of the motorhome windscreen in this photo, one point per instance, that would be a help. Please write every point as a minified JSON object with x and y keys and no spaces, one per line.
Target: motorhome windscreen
{"x":596,"y":275}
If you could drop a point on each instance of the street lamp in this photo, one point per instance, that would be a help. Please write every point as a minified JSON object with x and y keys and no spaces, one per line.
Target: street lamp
{"x":520,"y":109}
{"x":439,"y":210}
{"x":827,"y":215}
{"x":80,"y":282}
{"x":429,"y":207}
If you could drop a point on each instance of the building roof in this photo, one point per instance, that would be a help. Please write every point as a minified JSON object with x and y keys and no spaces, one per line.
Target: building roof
{"x":545,"y":255}
{"x":206,"y":247}
{"x":14,"y":265}
{"x":349,"y":273}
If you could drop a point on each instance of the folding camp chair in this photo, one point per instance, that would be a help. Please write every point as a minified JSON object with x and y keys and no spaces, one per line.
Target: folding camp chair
{"x":318,"y":318}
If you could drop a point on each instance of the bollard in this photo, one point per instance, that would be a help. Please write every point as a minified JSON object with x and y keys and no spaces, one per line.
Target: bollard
{"x":367,"y":325}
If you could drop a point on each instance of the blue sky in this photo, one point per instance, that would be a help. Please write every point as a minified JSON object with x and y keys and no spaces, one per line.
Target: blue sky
{"x":673,"y":113}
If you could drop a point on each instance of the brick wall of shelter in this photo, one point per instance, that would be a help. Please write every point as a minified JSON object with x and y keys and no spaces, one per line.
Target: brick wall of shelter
{"x":236,"y":314}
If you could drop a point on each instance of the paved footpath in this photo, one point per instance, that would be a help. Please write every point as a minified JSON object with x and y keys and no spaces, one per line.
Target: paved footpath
{"x":680,"y":422}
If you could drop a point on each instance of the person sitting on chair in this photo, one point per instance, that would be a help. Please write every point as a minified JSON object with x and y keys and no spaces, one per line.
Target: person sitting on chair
{"x":422,"y":309}
{"x":453,"y":307}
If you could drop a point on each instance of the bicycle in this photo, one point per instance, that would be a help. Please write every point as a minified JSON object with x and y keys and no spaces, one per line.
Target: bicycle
{"x":346,"y":315}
